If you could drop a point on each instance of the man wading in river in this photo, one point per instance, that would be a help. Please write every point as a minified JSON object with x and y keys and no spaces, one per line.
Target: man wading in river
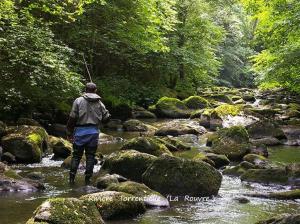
{"x":83,"y":126}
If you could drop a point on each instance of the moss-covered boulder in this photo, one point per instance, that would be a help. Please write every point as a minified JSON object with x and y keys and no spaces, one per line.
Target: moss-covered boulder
{"x":179,"y":127}
{"x":174,"y":144}
{"x":104,"y":181}
{"x":151,"y":198}
{"x":60,"y":147}
{"x":288,"y":219}
{"x":196,"y":102}
{"x":225,"y":110}
{"x":26,"y":143}
{"x":265,"y":128}
{"x":239,"y":169}
{"x":66,"y":211}
{"x":281,"y":195}
{"x":133,"y":125}
{"x":269,"y":141}
{"x":148,"y":145}
{"x":202,"y":157}
{"x":255,"y":159}
{"x":267,"y":176}
{"x":175,"y":176}
{"x":139,"y":112}
{"x":10,"y":181}
{"x":128,"y":163}
{"x":262,"y":112}
{"x":171,"y":108}
{"x":219,"y":160}
{"x":116,"y":205}
{"x":249,"y":98}
{"x":232,"y":142}
{"x":219,"y":98}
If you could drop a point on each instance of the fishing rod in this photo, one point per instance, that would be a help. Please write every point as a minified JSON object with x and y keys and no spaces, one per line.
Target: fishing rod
{"x":87,"y":68}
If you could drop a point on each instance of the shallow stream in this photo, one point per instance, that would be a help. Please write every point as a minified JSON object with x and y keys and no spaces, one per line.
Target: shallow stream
{"x":18,"y":207}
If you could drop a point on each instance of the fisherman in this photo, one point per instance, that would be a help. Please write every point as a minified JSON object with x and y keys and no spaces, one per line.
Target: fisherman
{"x":83,"y":129}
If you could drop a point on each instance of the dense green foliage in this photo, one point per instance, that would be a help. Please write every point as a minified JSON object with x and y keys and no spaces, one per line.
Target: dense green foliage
{"x":140,"y":50}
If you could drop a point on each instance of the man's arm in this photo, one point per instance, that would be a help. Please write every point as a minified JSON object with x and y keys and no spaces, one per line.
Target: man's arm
{"x":105,"y":114}
{"x":72,"y":119}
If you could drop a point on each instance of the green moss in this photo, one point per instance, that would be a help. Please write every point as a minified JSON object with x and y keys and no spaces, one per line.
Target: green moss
{"x":172,"y":108}
{"x":148,"y":145}
{"x":226,"y":109}
{"x":35,"y":138}
{"x":270,"y":175}
{"x":239,"y":169}
{"x":128,"y":163}
{"x":12,"y":174}
{"x":196,"y":102}
{"x":294,"y":106}
{"x":252,"y":158}
{"x":286,"y":195}
{"x":116,"y":205}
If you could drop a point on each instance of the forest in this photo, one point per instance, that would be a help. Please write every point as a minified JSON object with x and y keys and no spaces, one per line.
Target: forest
{"x":138,"y":51}
{"x":204,"y":98}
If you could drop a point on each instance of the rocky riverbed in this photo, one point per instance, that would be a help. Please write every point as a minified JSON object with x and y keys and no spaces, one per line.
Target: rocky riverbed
{"x":219,"y":157}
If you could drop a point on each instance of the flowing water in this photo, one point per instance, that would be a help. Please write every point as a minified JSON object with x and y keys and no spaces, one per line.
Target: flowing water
{"x":18,"y":207}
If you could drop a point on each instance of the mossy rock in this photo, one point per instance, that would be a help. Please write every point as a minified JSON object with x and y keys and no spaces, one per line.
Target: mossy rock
{"x":265,"y":128}
{"x":60,"y":147}
{"x":116,"y":205}
{"x":202,"y":157}
{"x":148,"y":145}
{"x":104,"y":181}
{"x":282,"y":195}
{"x":236,"y":98}
{"x":135,"y":126}
{"x":219,"y":97}
{"x":239,"y":169}
{"x":219,"y":160}
{"x":171,"y":108}
{"x":26,"y":143}
{"x":288,"y":219}
{"x":174,"y":144}
{"x":249,"y":98}
{"x":143,"y":113}
{"x":255,"y":159}
{"x":267,"y":176}
{"x":261,"y":113}
{"x":226,"y":109}
{"x":232,"y":142}
{"x":269,"y":141}
{"x":175,"y":176}
{"x":150,"y":197}
{"x":294,"y":106}
{"x":196,"y":102}
{"x":128,"y":163}
{"x":67,"y":211}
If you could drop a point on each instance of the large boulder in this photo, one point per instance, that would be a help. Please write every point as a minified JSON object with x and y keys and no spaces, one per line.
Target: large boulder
{"x":104,"y":181}
{"x":288,"y":219}
{"x":175,"y":176}
{"x":66,"y":211}
{"x":116,"y":205}
{"x":171,"y":108}
{"x":148,"y":145}
{"x":128,"y":163}
{"x":151,"y":198}
{"x":232,"y":142}
{"x":196,"y":102}
{"x":10,"y":181}
{"x":177,"y":128}
{"x":133,"y":125}
{"x":265,"y":128}
{"x":26,"y":143}
{"x":60,"y":147}
{"x":219,"y":160}
{"x":139,"y":112}
{"x":239,"y":169}
{"x":27,"y":121}
{"x":267,"y":176}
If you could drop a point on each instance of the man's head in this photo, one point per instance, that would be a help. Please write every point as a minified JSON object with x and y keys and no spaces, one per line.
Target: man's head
{"x":90,"y":87}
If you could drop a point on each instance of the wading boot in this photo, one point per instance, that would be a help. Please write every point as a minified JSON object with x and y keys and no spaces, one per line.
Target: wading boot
{"x":72,"y":179}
